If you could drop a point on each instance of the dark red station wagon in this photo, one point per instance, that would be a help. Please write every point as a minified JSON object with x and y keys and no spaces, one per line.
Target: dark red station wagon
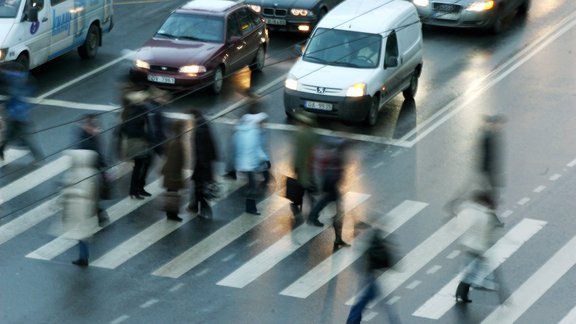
{"x":200,"y":43}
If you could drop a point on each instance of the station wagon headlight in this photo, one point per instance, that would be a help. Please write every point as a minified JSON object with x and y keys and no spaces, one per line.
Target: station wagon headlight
{"x":254,"y":7}
{"x":481,"y":6}
{"x":291,"y":84}
{"x":192,"y":69}
{"x":142,"y":64}
{"x":356,"y":90}
{"x":299,"y":12}
{"x":421,"y":3}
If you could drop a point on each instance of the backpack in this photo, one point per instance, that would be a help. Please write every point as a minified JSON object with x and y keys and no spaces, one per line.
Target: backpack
{"x":379,"y":252}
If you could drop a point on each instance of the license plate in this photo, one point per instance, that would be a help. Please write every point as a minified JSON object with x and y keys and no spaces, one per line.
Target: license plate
{"x":161,"y":79}
{"x":275,"y":21}
{"x":318,"y":105}
{"x":446,"y":15}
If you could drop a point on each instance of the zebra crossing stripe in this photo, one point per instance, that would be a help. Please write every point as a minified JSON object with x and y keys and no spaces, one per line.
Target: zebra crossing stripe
{"x":570,"y":318}
{"x":533,"y":288}
{"x":343,"y":258}
{"x":443,"y":301}
{"x":127,"y":205}
{"x":148,"y":237}
{"x":34,"y":178}
{"x":11,"y":155}
{"x":280,"y":250}
{"x":201,"y":251}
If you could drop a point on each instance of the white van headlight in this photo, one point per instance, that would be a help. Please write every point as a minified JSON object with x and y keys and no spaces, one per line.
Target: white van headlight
{"x":142,"y":64}
{"x":481,"y":5}
{"x":291,"y":83}
{"x":3,"y":52}
{"x":356,"y":90}
{"x":421,"y":3}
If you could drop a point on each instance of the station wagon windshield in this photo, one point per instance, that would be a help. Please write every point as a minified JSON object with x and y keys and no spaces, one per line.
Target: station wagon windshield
{"x":9,"y":8}
{"x":344,"y":48}
{"x":193,"y":27}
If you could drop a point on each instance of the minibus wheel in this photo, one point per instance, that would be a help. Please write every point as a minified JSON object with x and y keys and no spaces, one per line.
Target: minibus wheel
{"x":89,"y":49}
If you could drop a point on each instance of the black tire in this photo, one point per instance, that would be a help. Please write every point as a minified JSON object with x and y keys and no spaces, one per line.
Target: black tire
{"x":524,"y":7}
{"x":89,"y":49}
{"x":259,"y":61}
{"x":410,"y":92}
{"x":499,"y":24}
{"x":23,"y":60}
{"x":372,"y":117}
{"x":217,"y":81}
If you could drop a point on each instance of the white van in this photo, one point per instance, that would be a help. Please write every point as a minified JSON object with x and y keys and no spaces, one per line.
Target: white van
{"x":33,"y":32}
{"x":361,"y":54}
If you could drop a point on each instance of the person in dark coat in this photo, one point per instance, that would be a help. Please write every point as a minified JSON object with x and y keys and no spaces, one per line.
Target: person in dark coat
{"x":205,"y":154}
{"x":157,"y":101}
{"x":173,"y":171}
{"x":135,"y":131}
{"x":490,"y":162}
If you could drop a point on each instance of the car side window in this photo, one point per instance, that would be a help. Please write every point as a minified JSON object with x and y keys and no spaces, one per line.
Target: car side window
{"x":245,"y":20}
{"x":232,"y":28}
{"x":391,"y":47}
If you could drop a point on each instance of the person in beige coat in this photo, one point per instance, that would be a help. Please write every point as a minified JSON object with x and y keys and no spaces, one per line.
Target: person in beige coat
{"x":173,"y":171}
{"x":79,"y":200}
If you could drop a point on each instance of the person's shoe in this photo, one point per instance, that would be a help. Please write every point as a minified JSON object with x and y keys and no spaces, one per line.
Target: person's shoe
{"x":193,"y":208}
{"x":80,"y":262}
{"x":144,"y":193}
{"x":315,"y":222}
{"x":136,"y":196}
{"x":174,"y":218}
{"x":340,"y":243}
{"x":230,"y":175}
{"x":253,"y":212}
{"x":462,"y":300}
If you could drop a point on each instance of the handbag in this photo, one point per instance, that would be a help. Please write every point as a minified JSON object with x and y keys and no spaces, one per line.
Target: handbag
{"x":135,"y":147}
{"x":211,"y":190}
{"x":294,"y":191}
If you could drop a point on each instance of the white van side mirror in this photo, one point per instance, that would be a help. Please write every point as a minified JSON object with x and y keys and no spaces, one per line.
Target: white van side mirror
{"x":298,"y":49}
{"x":32,"y":14}
{"x":392,"y":61}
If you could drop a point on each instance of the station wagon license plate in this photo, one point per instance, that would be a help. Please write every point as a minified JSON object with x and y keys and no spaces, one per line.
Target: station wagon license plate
{"x":275,"y":21}
{"x":161,"y":79}
{"x":318,"y":105}
{"x":446,"y":15}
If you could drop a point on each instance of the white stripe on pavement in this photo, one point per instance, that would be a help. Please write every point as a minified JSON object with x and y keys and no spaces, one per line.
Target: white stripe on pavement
{"x":34,"y":178}
{"x":280,"y":250}
{"x":570,"y":318}
{"x":531,"y":290}
{"x":219,"y":239}
{"x":332,"y":266}
{"x":444,"y":300}
{"x":127,"y":205}
{"x":147,"y":237}
{"x":11,"y":155}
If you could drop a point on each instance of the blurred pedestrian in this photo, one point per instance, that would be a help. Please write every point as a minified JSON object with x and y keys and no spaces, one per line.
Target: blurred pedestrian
{"x":157,"y":101}
{"x":379,"y":257}
{"x":478,"y":217}
{"x":79,"y":201}
{"x":251,"y":156}
{"x":173,"y":171}
{"x":205,"y":154}
{"x":491,"y":155}
{"x":89,"y":139}
{"x":305,"y":142}
{"x":330,"y":163}
{"x":135,"y":139}
{"x":18,"y":85}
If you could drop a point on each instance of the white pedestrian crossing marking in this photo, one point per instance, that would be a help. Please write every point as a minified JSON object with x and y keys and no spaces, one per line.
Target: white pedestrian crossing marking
{"x":343,"y":258}
{"x":20,"y":224}
{"x":127,"y":205}
{"x":444,"y":300}
{"x":221,"y":238}
{"x":570,"y":318}
{"x":280,"y":250}
{"x":34,"y":178}
{"x":11,"y":155}
{"x":533,"y":288}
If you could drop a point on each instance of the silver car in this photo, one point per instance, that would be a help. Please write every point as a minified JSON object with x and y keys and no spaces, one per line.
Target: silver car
{"x":481,"y":14}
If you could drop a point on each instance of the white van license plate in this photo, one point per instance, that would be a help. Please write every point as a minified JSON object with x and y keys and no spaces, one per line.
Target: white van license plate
{"x":318,"y":105}
{"x":161,"y":79}
{"x":275,"y":21}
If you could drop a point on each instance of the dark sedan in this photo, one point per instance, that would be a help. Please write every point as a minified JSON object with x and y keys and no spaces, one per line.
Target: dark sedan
{"x":200,"y":43}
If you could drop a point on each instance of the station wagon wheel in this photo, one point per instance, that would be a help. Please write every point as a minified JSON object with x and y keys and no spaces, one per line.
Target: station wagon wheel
{"x":217,"y":81}
{"x":89,"y":49}
{"x":499,"y":23}
{"x":259,"y":60}
{"x":373,"y":113}
{"x":410,"y":92}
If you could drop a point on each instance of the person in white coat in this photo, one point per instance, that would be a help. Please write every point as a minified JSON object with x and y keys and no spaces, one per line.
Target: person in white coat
{"x":78,"y":200}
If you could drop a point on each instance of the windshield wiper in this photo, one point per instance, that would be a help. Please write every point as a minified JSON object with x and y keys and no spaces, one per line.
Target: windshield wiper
{"x":314,"y":58}
{"x":340,"y":63}
{"x":165,"y":35}
{"x":190,"y":38}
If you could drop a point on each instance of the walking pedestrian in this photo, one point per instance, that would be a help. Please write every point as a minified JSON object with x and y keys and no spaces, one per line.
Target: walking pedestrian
{"x":89,"y":139}
{"x":18,"y":117}
{"x":173,"y":171}
{"x":205,"y":154}
{"x":157,"y":101}
{"x":135,"y":137}
{"x":330,"y":165}
{"x":491,"y":155}
{"x":305,"y":142}
{"x":251,"y":157}
{"x":479,"y":219}
{"x":79,"y":201}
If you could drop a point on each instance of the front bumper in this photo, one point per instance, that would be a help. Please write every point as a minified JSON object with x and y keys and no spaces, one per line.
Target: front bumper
{"x":302,"y":25}
{"x":456,"y":17}
{"x":344,"y":108}
{"x":180,"y":81}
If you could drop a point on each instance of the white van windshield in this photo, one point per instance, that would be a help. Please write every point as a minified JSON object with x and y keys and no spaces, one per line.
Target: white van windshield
{"x":344,"y":48}
{"x":9,"y":8}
